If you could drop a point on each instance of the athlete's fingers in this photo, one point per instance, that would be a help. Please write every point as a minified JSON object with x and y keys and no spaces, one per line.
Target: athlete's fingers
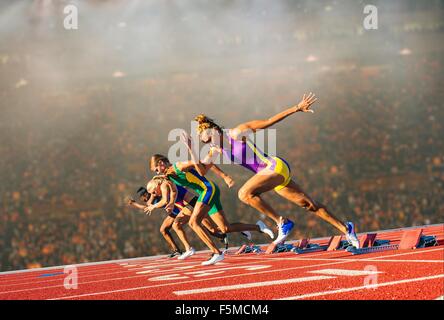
{"x":303,"y":98}
{"x":312,"y":101}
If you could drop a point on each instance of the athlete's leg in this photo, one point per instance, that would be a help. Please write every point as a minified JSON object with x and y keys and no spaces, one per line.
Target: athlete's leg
{"x":293,"y":192}
{"x":250,"y":192}
{"x":165,"y":231}
{"x":212,"y":228}
{"x":199,"y":212}
{"x":178,"y":224}
{"x":226,"y":227}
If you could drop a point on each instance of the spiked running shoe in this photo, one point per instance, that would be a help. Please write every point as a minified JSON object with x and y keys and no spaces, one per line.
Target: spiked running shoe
{"x":351,"y":235}
{"x":174,"y":254}
{"x":284,"y":230}
{"x":215,"y":258}
{"x":186,"y":254}
{"x":265,"y":229}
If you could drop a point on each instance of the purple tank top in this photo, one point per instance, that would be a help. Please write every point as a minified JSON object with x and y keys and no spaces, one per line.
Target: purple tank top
{"x":247,"y":155}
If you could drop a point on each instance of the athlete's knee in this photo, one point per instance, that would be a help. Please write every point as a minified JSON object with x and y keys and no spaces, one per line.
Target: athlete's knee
{"x":177,"y":225}
{"x":193,"y":223}
{"x":245,"y":195}
{"x":312,"y":205}
{"x":224,"y":229}
{"x":164,"y":230}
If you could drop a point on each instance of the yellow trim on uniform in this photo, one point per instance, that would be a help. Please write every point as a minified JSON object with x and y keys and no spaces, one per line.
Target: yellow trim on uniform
{"x":282,"y":169}
{"x":195,"y":179}
{"x":258,"y":153}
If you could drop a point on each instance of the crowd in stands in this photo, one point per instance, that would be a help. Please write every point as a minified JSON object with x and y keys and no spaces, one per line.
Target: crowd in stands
{"x":69,"y":155}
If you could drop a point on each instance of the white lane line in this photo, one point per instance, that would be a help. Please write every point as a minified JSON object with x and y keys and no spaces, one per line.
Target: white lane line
{"x":351,"y":260}
{"x":440,"y":298}
{"x":251,"y":285}
{"x":381,"y":257}
{"x":417,"y":251}
{"x":346,"y":272}
{"x":373,"y":286}
{"x":247,"y":267}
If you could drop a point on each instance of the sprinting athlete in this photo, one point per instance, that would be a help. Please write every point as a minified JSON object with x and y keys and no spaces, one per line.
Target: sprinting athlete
{"x":183,"y":198}
{"x":177,"y":218}
{"x":183,"y":174}
{"x":167,"y":223}
{"x":270,"y":173}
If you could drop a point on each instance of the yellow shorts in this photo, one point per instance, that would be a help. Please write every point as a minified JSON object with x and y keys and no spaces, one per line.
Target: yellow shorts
{"x":282,"y":168}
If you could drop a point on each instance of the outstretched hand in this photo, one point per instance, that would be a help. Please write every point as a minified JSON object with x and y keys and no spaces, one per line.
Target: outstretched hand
{"x":229,"y":181}
{"x":148,"y":210}
{"x":306,"y":102}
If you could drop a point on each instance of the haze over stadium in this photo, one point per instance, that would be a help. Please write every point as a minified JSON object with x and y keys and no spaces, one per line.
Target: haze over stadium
{"x":82,"y":111}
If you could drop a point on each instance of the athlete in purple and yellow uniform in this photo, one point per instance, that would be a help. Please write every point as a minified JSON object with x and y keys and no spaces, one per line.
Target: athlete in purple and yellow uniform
{"x":270,"y":173}
{"x":246,"y":154}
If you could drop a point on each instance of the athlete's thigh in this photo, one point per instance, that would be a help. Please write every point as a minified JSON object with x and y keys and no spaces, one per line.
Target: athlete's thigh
{"x":261,"y":182}
{"x":293,"y":192}
{"x":167,"y":222}
{"x":220,"y":220}
{"x":182,"y":218}
{"x":186,"y":212}
{"x":199,"y":211}
{"x":208,"y":223}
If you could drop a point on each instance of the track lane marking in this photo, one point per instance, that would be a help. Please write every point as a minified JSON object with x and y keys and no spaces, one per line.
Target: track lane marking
{"x":345,"y":272}
{"x":251,"y":285}
{"x":373,"y":286}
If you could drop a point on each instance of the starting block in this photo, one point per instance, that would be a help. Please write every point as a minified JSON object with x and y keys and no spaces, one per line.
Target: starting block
{"x":334,"y":243}
{"x":248,"y":249}
{"x":367,"y":240}
{"x":410,"y":239}
{"x":310,"y":248}
{"x":241,"y":249}
{"x":278,"y":247}
{"x":282,"y":247}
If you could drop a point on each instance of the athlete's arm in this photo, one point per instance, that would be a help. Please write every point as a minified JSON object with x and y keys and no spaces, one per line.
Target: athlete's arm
{"x":200,"y":167}
{"x":172,"y":196}
{"x":162,"y":202}
{"x":219,"y":172}
{"x":303,"y":106}
{"x":132,"y":203}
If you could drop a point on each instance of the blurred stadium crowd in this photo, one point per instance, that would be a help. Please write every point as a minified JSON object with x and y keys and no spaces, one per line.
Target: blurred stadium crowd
{"x":372,"y":151}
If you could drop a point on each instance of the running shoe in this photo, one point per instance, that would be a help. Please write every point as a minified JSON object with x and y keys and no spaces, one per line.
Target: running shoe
{"x":174,"y":254}
{"x":351,"y":235}
{"x":186,"y":254}
{"x":284,"y":230}
{"x":265,"y":229}
{"x":215,"y":258}
{"x":247,"y":234}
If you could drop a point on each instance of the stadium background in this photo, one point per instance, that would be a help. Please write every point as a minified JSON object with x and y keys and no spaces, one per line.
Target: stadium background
{"x":82,"y":111}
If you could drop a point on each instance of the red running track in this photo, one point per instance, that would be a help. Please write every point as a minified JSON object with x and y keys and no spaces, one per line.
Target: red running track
{"x":396,"y":274}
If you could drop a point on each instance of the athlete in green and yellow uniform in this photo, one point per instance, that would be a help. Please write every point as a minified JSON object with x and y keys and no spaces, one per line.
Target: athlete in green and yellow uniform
{"x":183,"y":174}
